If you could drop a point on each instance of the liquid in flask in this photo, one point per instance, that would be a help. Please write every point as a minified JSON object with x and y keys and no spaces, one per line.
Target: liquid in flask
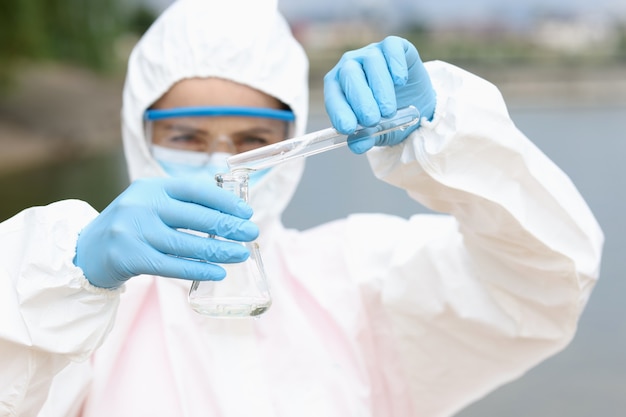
{"x":244,"y":291}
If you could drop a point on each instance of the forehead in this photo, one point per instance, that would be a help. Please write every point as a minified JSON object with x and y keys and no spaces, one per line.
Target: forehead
{"x":192,"y":92}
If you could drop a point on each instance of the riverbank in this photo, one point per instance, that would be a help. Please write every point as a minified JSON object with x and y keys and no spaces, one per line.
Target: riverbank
{"x":57,"y":113}
{"x":550,"y":86}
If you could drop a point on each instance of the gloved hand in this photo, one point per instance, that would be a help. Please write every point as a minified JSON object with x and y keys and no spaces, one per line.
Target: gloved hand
{"x":137,"y":233}
{"x":375,"y":81}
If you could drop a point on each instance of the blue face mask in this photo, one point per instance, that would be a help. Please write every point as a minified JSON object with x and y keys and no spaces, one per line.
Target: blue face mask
{"x":182,"y":163}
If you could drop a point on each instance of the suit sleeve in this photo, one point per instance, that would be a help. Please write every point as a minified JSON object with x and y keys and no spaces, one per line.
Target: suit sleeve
{"x":473,"y":297}
{"x":51,"y":315}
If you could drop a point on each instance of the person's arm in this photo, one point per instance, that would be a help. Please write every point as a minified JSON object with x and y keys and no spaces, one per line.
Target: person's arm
{"x":488,"y":293}
{"x":50,"y":314}
{"x":464,"y":301}
{"x":64,"y":265}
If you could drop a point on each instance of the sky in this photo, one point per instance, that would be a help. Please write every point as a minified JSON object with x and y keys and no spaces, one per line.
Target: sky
{"x":445,"y":10}
{"x":436,"y":11}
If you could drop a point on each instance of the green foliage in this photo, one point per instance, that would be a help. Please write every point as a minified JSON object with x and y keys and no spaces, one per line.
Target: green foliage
{"x":140,"y":19}
{"x":81,"y":32}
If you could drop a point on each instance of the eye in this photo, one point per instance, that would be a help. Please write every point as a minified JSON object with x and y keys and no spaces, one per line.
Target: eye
{"x":183,"y":138}
{"x":179,"y":135}
{"x":247,"y":143}
{"x":188,"y":141}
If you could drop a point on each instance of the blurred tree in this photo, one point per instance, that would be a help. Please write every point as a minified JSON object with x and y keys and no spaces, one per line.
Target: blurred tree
{"x":80,"y":32}
{"x":140,"y":19}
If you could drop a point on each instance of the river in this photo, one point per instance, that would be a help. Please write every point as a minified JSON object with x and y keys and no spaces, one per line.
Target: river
{"x":587,"y":141}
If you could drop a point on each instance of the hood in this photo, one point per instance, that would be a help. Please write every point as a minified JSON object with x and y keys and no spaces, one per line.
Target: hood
{"x":246,"y":41}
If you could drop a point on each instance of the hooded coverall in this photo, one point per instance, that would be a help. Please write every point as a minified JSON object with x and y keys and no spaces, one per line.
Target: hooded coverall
{"x":372,"y":315}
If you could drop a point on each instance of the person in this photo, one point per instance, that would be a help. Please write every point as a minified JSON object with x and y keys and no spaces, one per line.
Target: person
{"x":372,"y":315}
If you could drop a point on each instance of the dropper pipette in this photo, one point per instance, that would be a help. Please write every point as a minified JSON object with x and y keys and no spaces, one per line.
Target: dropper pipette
{"x":317,"y":142}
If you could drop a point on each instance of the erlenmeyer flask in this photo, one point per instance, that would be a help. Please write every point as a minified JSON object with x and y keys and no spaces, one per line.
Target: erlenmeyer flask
{"x":244,"y":292}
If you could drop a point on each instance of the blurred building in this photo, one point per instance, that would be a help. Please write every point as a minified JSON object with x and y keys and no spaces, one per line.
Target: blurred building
{"x":575,"y":34}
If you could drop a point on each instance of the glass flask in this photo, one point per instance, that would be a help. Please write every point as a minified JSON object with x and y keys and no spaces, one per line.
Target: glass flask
{"x":244,"y":291}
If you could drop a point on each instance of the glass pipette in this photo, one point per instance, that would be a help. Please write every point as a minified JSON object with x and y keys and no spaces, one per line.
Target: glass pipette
{"x":317,"y":142}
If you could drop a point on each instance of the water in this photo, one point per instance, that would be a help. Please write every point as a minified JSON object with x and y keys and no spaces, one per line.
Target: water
{"x":243,"y":293}
{"x":229,"y":307}
{"x":98,"y":180}
{"x":589,"y":143}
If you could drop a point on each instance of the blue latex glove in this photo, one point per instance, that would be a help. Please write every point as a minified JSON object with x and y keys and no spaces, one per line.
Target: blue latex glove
{"x":373,"y":82}
{"x":137,"y":233}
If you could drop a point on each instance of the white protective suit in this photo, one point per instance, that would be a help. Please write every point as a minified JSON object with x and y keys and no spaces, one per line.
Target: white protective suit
{"x":373,"y":315}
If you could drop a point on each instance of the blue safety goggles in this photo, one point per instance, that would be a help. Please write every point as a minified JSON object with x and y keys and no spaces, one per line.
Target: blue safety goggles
{"x":191,"y":128}
{"x":217,"y":111}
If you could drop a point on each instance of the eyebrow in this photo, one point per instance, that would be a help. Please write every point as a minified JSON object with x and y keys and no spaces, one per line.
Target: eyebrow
{"x":260,"y":130}
{"x":182,"y":127}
